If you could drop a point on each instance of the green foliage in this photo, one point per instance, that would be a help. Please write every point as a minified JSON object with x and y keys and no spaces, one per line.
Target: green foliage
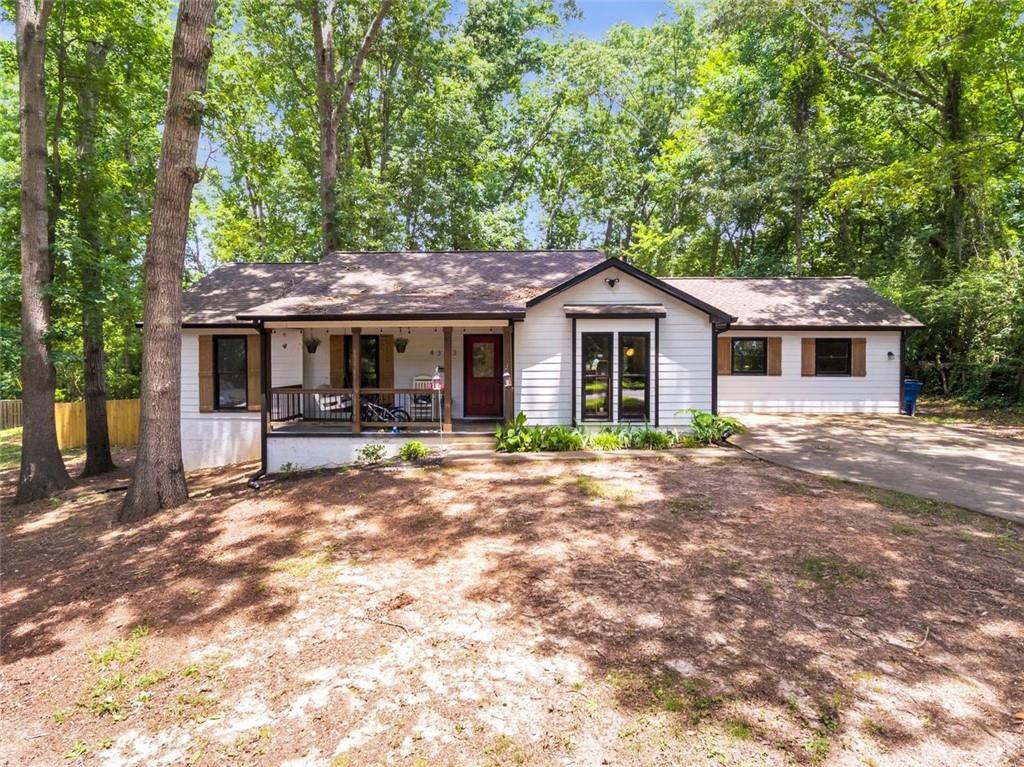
{"x":514,"y":437}
{"x":710,"y":429}
{"x":372,"y":452}
{"x":753,"y":139}
{"x":606,"y":439}
{"x":412,"y":451}
{"x":645,"y":438}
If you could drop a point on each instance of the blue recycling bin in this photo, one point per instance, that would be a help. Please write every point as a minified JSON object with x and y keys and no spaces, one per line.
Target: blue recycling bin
{"x":911,"y":389}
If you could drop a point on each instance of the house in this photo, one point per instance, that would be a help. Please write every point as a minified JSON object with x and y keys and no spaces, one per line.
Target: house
{"x":455,"y":341}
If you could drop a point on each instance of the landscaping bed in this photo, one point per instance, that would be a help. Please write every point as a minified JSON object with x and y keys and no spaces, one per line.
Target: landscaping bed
{"x":680,"y":607}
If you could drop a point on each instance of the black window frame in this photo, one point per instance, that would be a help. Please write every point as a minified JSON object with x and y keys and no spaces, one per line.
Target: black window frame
{"x":647,"y":375}
{"x":610,"y":377}
{"x":849,"y":358}
{"x":217,"y":374}
{"x":764,"y":356}
{"x":346,"y":376}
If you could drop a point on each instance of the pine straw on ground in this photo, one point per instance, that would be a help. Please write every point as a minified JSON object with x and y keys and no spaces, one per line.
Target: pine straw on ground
{"x":682,"y":608}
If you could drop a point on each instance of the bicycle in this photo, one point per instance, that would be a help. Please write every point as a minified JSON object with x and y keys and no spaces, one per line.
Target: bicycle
{"x":375,"y":411}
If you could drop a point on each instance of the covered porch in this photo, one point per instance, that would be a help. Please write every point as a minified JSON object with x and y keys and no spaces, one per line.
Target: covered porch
{"x":386,"y":377}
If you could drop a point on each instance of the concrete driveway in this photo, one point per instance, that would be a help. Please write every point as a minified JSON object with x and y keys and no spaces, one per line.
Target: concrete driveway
{"x":946,"y":463}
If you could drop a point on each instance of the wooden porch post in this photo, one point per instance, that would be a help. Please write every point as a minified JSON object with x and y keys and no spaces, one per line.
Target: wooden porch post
{"x":449,"y":379}
{"x":506,"y":358}
{"x":357,"y":369}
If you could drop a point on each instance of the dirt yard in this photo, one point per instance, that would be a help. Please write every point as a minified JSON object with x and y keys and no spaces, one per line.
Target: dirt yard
{"x":692,"y":607}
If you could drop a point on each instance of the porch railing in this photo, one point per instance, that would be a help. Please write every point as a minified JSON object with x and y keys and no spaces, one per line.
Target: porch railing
{"x":377,"y":407}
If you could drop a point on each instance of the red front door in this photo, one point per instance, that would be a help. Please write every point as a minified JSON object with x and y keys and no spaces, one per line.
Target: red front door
{"x":483,"y":376}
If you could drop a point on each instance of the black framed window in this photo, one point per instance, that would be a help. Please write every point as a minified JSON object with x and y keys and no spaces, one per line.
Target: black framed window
{"x":634,"y":376}
{"x":230,"y":377}
{"x":750,"y":356}
{"x":369,"y":361}
{"x":597,"y":376}
{"x":832,"y":356}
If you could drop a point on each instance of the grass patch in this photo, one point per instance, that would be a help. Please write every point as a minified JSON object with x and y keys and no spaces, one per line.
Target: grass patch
{"x":121,"y":651}
{"x":817,"y":747}
{"x":688,"y":504}
{"x":901,"y":529}
{"x":589,"y":486}
{"x":916,"y":506}
{"x":306,"y":564}
{"x":829,"y":571}
{"x":666,"y":692}
{"x":504,"y":750}
{"x":738,"y":729}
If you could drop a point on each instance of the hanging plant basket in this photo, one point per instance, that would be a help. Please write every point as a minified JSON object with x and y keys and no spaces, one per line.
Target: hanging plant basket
{"x":312,"y":344}
{"x":400,"y":343}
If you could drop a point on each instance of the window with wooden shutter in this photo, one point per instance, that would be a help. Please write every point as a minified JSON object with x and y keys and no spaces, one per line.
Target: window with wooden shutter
{"x":724,"y":356}
{"x":205,"y":374}
{"x":858,"y":357}
{"x":252,"y":357}
{"x":807,"y":356}
{"x":775,"y":356}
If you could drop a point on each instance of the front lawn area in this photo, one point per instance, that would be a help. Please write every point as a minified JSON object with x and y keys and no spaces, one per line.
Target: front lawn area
{"x":686,"y":607}
{"x":1006,"y":421}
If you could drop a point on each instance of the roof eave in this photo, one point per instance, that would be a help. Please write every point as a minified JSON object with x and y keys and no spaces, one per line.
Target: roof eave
{"x":391,"y":316}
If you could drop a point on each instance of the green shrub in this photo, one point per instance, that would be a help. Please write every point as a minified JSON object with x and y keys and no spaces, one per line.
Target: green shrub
{"x":514,"y":437}
{"x":646,"y":439}
{"x":607,"y":439}
{"x":412,"y":451}
{"x":558,"y":439}
{"x":708,"y":428}
{"x":371,"y":453}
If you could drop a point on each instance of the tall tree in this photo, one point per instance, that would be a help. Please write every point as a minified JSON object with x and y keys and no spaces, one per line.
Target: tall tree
{"x":158,"y":481}
{"x":97,"y":437}
{"x":42,"y":467}
{"x":332,"y":101}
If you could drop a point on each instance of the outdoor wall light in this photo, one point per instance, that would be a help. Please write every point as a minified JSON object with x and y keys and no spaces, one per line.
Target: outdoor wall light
{"x":892,"y":356}
{"x":611,"y":282}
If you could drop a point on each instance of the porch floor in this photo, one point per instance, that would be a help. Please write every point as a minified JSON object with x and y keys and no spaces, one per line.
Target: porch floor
{"x":460,"y":427}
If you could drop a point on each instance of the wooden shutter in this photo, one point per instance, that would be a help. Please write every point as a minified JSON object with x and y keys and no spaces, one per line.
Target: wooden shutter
{"x":337,"y":361}
{"x":774,"y":356}
{"x":253,"y":395}
{"x":724,"y":356}
{"x":387,"y":362}
{"x":205,"y":374}
{"x":807,"y":346}
{"x":858,"y":357}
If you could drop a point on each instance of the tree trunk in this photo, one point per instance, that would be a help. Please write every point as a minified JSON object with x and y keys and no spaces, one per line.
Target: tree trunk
{"x":332,"y":107}
{"x":159,"y":478}
{"x":42,"y":467}
{"x":956,"y":208}
{"x":97,"y":438}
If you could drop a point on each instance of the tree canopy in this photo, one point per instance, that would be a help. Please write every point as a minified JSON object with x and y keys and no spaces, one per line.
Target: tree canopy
{"x":732,"y":137}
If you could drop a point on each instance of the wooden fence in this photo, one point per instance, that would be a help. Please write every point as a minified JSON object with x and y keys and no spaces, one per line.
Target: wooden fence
{"x":122,"y":421}
{"x":10,"y":413}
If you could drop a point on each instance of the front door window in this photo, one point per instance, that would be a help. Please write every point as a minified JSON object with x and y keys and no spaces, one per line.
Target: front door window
{"x":634,"y":369}
{"x":597,"y":376}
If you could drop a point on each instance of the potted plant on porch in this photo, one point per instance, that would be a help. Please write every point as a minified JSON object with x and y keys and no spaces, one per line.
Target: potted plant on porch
{"x":312,"y":343}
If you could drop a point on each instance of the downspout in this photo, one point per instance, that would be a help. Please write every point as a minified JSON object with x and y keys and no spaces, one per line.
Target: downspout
{"x":572,"y":365}
{"x":657,"y":377}
{"x":264,"y":403}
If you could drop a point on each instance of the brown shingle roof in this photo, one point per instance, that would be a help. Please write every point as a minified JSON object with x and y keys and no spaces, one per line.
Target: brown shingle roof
{"x":230,"y":289}
{"x":421,"y":283}
{"x":809,"y":302}
{"x":499,"y":283}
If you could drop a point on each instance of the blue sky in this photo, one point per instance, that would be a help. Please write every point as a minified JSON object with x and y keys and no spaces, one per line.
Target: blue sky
{"x":598,"y":15}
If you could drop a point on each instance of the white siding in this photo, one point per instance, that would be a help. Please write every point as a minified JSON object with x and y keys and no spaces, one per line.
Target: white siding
{"x":543,"y":347}
{"x":876,"y":392}
{"x":212,"y":439}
